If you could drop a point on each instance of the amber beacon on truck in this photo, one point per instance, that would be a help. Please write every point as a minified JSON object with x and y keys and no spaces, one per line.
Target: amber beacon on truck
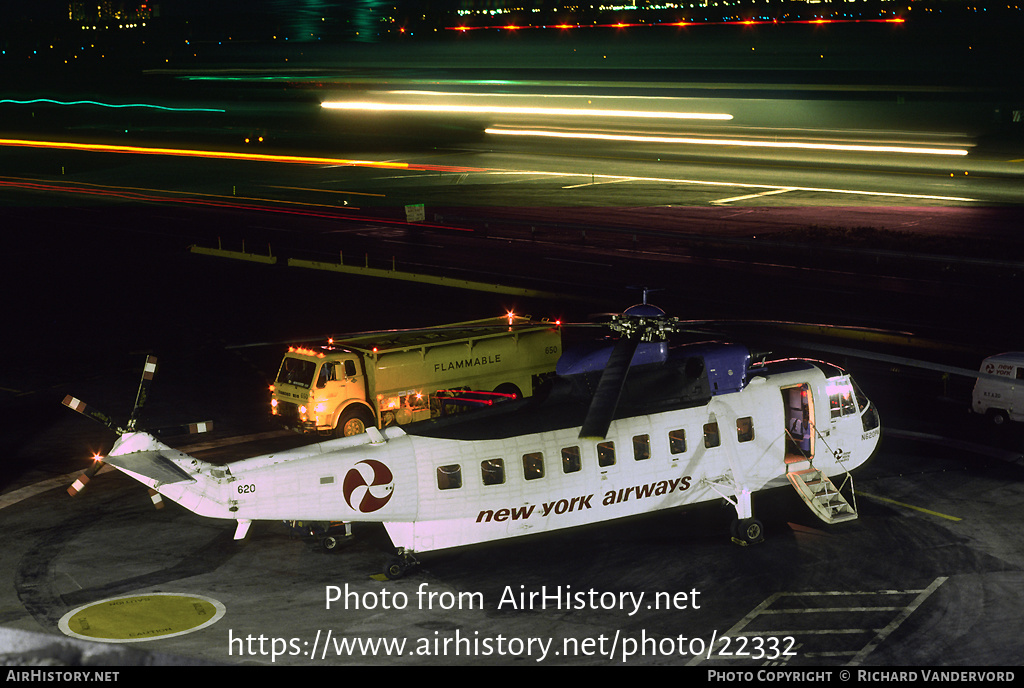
{"x":401,"y":376}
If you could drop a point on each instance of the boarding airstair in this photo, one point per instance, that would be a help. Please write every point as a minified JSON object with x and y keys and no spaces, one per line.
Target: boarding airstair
{"x":819,"y":492}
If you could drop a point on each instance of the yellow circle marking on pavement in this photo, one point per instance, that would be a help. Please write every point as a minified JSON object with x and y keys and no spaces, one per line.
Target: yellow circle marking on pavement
{"x":137,"y":618}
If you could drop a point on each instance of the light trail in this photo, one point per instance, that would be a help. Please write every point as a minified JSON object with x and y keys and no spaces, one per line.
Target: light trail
{"x":228,"y":155}
{"x":50,"y":101}
{"x":190,"y":153}
{"x":370,"y":106}
{"x":440,"y":168}
{"x":637,"y":138}
{"x":163,"y":196}
{"x":738,"y":185}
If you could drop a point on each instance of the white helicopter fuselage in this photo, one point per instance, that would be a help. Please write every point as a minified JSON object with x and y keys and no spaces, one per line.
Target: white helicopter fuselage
{"x":433,"y":489}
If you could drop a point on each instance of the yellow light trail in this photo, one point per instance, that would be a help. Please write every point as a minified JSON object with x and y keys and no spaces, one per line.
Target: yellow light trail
{"x":514,"y":110}
{"x":636,"y":138}
{"x":190,"y":153}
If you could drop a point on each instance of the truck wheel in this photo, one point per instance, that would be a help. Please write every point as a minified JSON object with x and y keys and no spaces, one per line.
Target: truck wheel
{"x":353,"y":421}
{"x":997,"y":417}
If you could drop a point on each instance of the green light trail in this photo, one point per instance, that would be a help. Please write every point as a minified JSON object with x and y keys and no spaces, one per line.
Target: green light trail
{"x":108,"y":105}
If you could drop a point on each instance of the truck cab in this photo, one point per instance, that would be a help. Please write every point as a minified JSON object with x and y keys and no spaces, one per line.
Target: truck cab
{"x":314,"y":388}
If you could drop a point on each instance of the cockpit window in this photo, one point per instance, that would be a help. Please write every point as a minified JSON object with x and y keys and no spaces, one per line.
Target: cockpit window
{"x":862,"y":399}
{"x":296,"y":371}
{"x":869,"y":416}
{"x":845,"y":398}
{"x":841,"y":397}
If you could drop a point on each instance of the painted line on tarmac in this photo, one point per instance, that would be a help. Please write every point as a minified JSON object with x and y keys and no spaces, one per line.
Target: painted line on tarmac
{"x":909,"y":506}
{"x":749,"y":196}
{"x":895,"y":623}
{"x":21,"y":494}
{"x":821,"y":613}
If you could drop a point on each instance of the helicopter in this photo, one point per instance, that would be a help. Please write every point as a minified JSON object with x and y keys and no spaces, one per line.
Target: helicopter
{"x":626,"y":427}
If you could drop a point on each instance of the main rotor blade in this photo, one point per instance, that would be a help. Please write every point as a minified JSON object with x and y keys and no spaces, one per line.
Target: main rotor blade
{"x":609,"y":389}
{"x":183,"y":429}
{"x":498,"y":324}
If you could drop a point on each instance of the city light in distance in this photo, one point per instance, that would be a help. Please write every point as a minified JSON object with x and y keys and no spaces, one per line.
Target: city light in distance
{"x":683,"y":23}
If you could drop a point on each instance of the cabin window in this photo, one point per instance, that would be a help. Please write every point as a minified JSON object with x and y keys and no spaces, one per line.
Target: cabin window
{"x":711,"y":436}
{"x":326,"y":375}
{"x":449,"y":477}
{"x":571,"y":461}
{"x":641,"y":447}
{"x":350,"y":368}
{"x":493,"y":471}
{"x":677,"y":441}
{"x":745,"y":429}
{"x":533,"y":465}
{"x":606,"y":454}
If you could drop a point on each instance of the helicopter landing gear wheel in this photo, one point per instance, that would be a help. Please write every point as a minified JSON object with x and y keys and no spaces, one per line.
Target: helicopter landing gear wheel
{"x":747,"y":531}
{"x":394,"y":569}
{"x":397,"y":566}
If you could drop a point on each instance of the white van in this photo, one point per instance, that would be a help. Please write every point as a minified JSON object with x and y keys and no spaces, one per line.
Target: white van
{"x":1000,"y":392}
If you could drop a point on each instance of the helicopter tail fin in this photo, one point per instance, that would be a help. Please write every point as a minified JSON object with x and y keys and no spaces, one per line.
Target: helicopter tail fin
{"x":152,"y":465}
{"x":149,"y":461}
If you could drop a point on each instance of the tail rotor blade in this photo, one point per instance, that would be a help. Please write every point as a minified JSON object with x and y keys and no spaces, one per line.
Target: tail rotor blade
{"x":86,"y":476}
{"x":81,"y":407}
{"x":148,"y":371}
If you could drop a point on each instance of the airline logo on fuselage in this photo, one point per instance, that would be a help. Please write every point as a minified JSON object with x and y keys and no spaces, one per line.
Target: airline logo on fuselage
{"x":368,"y":486}
{"x":565,"y":506}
